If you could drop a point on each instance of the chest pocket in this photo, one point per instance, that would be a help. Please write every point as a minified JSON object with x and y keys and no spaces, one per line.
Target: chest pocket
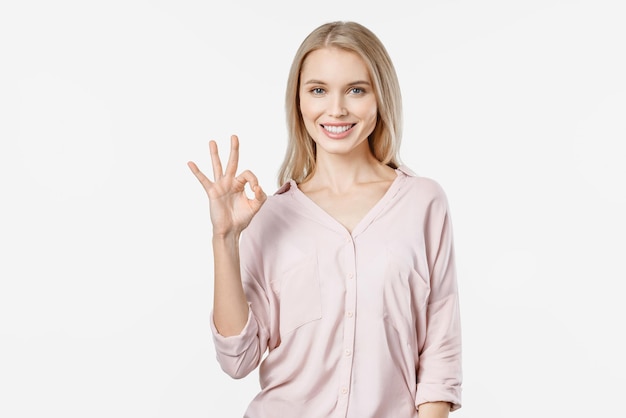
{"x":299,"y":294}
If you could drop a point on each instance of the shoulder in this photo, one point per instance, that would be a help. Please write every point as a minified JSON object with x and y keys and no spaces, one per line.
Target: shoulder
{"x":274,"y":211}
{"x":281,"y":199}
{"x":426,"y":189}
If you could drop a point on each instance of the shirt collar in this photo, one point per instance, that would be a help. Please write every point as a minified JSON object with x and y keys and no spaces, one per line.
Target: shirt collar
{"x":287,"y":185}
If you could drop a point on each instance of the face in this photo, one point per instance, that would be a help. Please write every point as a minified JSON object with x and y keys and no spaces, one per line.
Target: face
{"x":337,"y":101}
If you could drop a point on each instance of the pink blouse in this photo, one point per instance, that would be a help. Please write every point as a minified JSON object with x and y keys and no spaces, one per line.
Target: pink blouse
{"x":358,"y":325}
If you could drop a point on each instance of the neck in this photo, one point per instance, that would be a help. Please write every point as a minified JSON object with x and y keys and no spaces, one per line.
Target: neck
{"x":340,"y":172}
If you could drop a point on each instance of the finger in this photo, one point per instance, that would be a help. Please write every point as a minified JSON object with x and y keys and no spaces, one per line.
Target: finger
{"x":247,"y":177}
{"x":199,"y":175}
{"x":233,"y":159}
{"x":259,"y":194}
{"x":215,"y":161}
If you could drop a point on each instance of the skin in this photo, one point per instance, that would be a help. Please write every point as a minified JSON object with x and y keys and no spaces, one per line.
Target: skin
{"x":336,"y":90}
{"x":231,"y":212}
{"x":434,"y":410}
{"x":348,"y":181}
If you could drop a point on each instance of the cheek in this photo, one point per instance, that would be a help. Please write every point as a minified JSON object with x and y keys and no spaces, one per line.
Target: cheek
{"x":307,"y":107}
{"x":308,"y":116}
{"x":369,"y":111}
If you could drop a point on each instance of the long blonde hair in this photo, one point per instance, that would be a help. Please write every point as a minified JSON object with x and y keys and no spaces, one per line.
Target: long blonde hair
{"x":299,"y":162}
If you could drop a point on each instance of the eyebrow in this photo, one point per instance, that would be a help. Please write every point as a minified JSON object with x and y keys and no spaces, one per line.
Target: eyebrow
{"x":361,"y":82}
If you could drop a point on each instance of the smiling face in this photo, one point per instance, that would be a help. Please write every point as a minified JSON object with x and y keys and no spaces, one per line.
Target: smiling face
{"x":337,"y":101}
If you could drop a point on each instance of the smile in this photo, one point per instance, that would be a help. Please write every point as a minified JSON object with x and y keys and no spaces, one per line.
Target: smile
{"x":337,"y":129}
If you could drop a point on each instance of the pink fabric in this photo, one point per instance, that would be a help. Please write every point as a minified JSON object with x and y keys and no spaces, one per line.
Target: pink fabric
{"x":349,"y":325}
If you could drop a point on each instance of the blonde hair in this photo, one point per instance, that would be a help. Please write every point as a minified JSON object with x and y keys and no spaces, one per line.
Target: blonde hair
{"x":299,"y":162}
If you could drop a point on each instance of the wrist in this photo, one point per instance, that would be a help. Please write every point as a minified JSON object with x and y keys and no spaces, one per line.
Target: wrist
{"x":226,"y":237}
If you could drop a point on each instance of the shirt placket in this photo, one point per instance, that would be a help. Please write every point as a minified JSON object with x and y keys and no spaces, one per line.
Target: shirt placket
{"x":349,"y":324}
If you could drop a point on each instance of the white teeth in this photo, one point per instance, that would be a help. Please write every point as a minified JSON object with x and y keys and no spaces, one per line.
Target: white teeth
{"x":337,"y":129}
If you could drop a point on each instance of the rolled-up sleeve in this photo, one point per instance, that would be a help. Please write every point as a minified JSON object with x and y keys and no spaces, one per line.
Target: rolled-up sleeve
{"x":239,"y":354}
{"x":439,"y":373}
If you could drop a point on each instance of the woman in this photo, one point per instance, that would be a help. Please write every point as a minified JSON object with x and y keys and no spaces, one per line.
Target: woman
{"x":342,"y":284}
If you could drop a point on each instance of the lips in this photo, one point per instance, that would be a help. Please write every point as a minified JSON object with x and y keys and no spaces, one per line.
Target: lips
{"x":337,"y":129}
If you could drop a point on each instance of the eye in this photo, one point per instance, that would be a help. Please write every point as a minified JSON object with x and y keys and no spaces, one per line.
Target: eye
{"x":318,"y":91}
{"x":357,"y":90}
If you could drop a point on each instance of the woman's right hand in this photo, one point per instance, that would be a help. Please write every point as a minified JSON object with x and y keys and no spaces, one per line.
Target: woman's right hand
{"x":231,"y":209}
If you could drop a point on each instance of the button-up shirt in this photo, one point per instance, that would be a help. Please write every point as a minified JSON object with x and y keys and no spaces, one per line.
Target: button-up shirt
{"x":361,"y":324}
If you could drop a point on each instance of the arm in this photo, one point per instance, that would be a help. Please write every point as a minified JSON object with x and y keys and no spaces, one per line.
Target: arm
{"x":434,"y":410}
{"x":231,"y":212}
{"x":230,"y":307}
{"x":439,"y":374}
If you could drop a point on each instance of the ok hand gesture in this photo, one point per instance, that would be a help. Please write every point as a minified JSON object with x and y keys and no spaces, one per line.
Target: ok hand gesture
{"x":231,"y":209}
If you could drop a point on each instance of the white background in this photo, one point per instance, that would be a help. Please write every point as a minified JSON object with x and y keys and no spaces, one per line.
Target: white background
{"x":517,"y":108}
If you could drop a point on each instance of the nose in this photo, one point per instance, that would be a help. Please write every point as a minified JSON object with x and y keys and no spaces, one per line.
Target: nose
{"x":337,"y":107}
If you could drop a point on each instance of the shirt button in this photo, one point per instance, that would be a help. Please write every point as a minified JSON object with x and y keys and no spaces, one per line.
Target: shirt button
{"x":347,"y":353}
{"x":350,"y":314}
{"x":350,"y":275}
{"x":344,"y":390}
{"x":348,"y":239}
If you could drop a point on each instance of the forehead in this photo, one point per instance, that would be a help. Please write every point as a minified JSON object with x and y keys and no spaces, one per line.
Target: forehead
{"x":327,"y":64}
